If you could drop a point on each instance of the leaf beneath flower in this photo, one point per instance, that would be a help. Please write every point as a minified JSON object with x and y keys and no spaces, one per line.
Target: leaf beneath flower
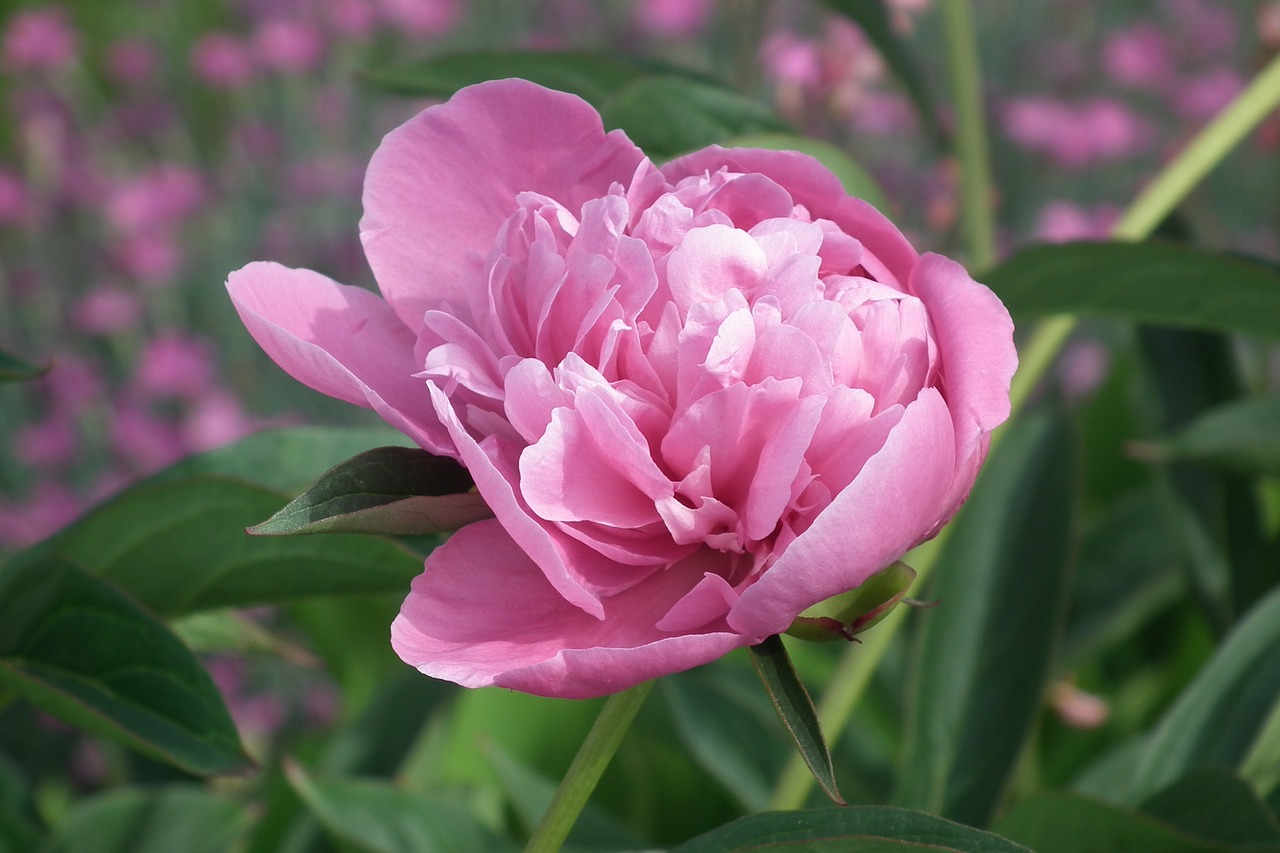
{"x":388,"y":490}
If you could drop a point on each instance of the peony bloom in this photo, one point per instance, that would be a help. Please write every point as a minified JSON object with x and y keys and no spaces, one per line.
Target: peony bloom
{"x":697,"y":399}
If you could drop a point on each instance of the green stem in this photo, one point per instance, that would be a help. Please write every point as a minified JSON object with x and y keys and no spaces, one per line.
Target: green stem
{"x":589,"y":764}
{"x":1165,"y":192}
{"x":965,"y":72}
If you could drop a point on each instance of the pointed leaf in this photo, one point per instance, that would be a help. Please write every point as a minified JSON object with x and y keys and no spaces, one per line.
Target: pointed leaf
{"x":180,"y":546}
{"x":794,"y":706}
{"x":1217,"y":805}
{"x":1055,"y":822}
{"x":76,"y":647}
{"x":163,"y":820}
{"x":987,"y":648}
{"x":390,"y":490}
{"x":873,"y":18}
{"x":857,"y":181}
{"x":378,"y":817}
{"x":1243,"y":435}
{"x":591,"y":76}
{"x":1220,"y":716}
{"x":854,"y":829}
{"x":667,"y":115}
{"x":13,"y":368}
{"x":845,"y":616}
{"x":1158,"y":283}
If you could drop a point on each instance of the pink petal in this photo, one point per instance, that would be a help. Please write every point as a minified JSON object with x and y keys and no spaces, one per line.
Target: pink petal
{"x":811,"y":184}
{"x":712,"y":260}
{"x":340,"y":340}
{"x":883,"y":513}
{"x":440,"y":186}
{"x":482,"y":614}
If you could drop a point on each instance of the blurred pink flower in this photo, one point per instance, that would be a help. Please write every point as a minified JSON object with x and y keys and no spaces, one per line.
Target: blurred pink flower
{"x":223,"y":61}
{"x":288,"y":45}
{"x":107,"y":310}
{"x":15,"y":201}
{"x":157,"y":199}
{"x":1200,"y":97}
{"x":421,"y":18}
{"x":151,"y":258}
{"x":882,"y":114}
{"x":174,"y":365}
{"x":216,"y":419}
{"x":38,"y":40}
{"x":1060,"y":221}
{"x":787,"y":58}
{"x":132,"y":62}
{"x":1209,"y":27}
{"x":1082,"y":368}
{"x":143,"y":440}
{"x":73,"y":383}
{"x":1076,"y":708}
{"x":48,"y":444}
{"x":351,"y":19}
{"x":1075,"y":135}
{"x":1139,"y":55}
{"x":673,"y":18}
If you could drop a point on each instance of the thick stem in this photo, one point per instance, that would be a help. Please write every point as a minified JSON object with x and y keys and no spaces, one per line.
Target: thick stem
{"x":587,"y":767}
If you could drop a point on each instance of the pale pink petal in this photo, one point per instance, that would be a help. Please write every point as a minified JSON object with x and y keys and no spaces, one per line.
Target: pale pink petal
{"x":340,"y":340}
{"x":713,"y":260}
{"x":440,"y":186}
{"x":879,"y":517}
{"x":814,"y":186}
{"x":482,"y":613}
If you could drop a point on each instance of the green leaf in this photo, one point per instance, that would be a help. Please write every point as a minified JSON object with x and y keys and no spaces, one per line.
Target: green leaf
{"x":669,"y":115}
{"x":987,"y":648}
{"x":76,"y":647}
{"x":284,"y":460}
{"x":1159,"y":283}
{"x":179,"y":546}
{"x":1055,"y":822}
{"x":738,"y":744}
{"x":855,"y":829}
{"x":857,"y":181}
{"x":844,"y":616}
{"x":13,"y":368}
{"x":377,"y":817}
{"x":1243,"y":435}
{"x":390,"y":490}
{"x":873,"y":18}
{"x":1216,"y":805}
{"x":591,"y":76}
{"x":1223,"y":712}
{"x":794,"y":706}
{"x":157,"y":820}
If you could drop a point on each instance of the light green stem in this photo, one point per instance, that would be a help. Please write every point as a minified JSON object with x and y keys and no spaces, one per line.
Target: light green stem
{"x":587,"y":767}
{"x":971,"y":133}
{"x":1165,"y":192}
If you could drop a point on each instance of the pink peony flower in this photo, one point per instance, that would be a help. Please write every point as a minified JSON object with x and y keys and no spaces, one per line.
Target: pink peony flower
{"x":697,"y":399}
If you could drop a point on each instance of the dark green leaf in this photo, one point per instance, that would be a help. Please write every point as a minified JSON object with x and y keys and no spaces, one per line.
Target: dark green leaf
{"x":669,"y":115}
{"x":1158,"y":283}
{"x":1243,"y":435}
{"x":376,"y":816}
{"x":988,"y":646}
{"x":389,"y":490}
{"x":164,"y":820}
{"x":180,"y":547}
{"x":856,"y":180}
{"x":794,"y":706}
{"x":13,"y":368}
{"x":855,"y":829}
{"x":1216,"y":805}
{"x":873,"y":18}
{"x":1220,"y":716}
{"x":591,"y":76}
{"x":76,"y":647}
{"x":1053,"y":822}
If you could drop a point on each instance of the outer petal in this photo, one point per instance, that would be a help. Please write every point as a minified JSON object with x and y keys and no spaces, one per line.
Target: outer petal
{"x":975,"y":343}
{"x":814,"y":186}
{"x":440,"y":185}
{"x":483,"y":614}
{"x":340,"y":340}
{"x":892,"y":503}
